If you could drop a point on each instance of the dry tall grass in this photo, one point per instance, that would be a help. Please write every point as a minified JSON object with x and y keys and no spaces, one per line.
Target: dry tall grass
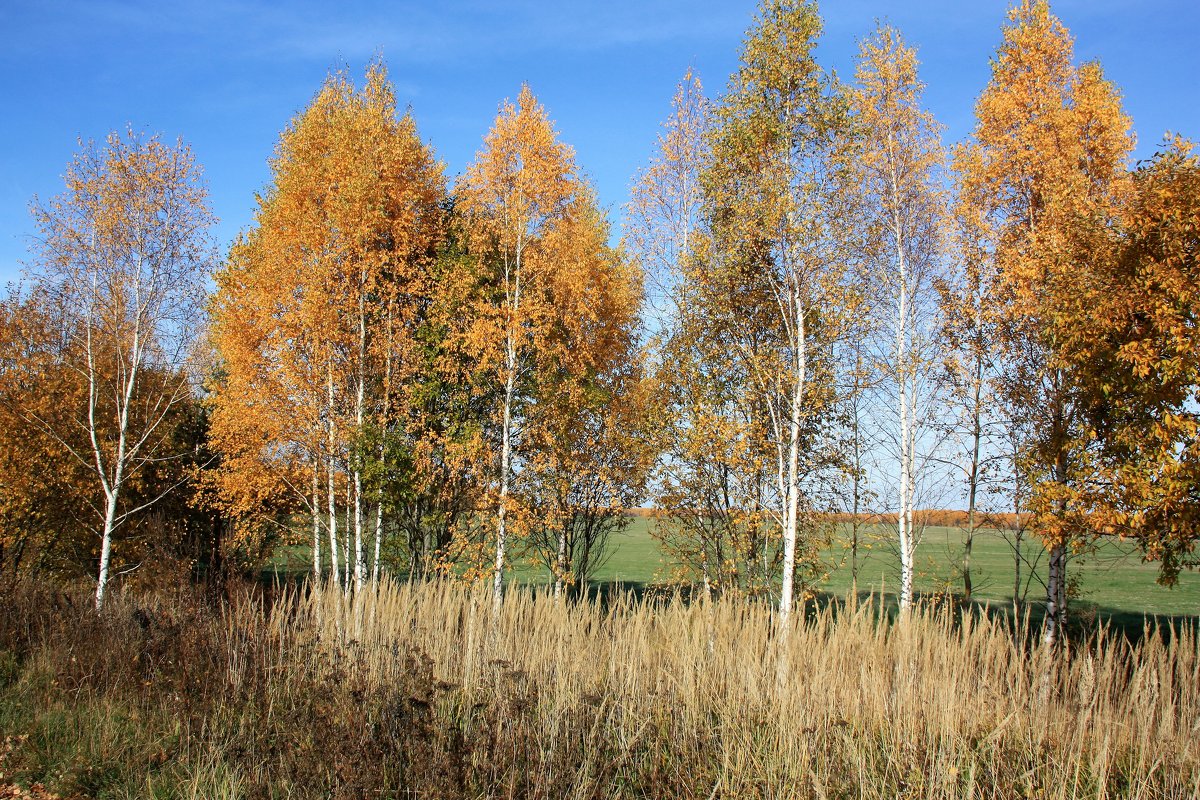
{"x":715,"y":701}
{"x":422,"y":691}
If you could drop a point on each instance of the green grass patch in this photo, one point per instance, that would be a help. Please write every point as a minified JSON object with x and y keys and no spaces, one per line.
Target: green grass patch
{"x":1110,"y":578}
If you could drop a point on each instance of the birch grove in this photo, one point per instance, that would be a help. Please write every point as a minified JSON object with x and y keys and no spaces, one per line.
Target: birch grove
{"x":812,"y":329}
{"x":308,"y":313}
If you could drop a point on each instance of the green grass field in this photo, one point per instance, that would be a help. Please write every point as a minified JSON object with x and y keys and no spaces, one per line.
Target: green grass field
{"x":1112,"y":579}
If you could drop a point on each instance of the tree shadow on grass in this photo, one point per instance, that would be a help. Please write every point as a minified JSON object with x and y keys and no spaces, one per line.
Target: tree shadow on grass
{"x":1085,"y":619}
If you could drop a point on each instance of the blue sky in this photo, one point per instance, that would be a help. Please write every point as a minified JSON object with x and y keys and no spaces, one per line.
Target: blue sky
{"x":227,"y":75}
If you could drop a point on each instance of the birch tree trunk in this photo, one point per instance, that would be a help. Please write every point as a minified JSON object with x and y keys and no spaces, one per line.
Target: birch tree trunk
{"x":332,"y":484}
{"x":110,"y":512}
{"x":900,"y":165}
{"x":316,"y":520}
{"x":903,"y":375}
{"x":792,"y":495}
{"x":360,"y":563}
{"x":1056,"y":579}
{"x":505,"y":469}
{"x":1055,"y":595}
{"x":385,"y":419}
{"x":347,"y":544}
{"x":111,"y":488}
{"x":510,"y":382}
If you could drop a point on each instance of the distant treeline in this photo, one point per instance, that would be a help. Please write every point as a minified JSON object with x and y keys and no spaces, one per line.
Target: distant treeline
{"x":932,"y":517}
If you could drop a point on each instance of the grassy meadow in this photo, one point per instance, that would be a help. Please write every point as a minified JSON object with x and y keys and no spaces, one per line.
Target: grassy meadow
{"x":1113,"y":581}
{"x":281,"y":689}
{"x":427,"y":691}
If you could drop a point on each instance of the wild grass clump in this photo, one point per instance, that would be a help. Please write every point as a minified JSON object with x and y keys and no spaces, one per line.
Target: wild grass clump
{"x":426,"y":690}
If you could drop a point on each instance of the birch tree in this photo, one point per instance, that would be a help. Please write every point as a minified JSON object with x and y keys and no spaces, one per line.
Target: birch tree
{"x":783,"y":217}
{"x":900,"y":165}
{"x":664,"y":228}
{"x":711,"y":525}
{"x":663,"y":216}
{"x":520,"y":187}
{"x":587,"y":454}
{"x":123,"y":253}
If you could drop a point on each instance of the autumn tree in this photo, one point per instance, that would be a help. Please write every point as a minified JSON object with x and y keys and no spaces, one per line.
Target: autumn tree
{"x":1135,"y":295}
{"x":49,"y":517}
{"x":702,"y":528}
{"x":121,"y":255}
{"x":705,"y":533}
{"x":587,"y":452}
{"x":974,"y":420}
{"x":713,"y":484}
{"x":44,"y":513}
{"x":1048,"y":150}
{"x":316,"y":312}
{"x":515,"y":197}
{"x":777,"y":278}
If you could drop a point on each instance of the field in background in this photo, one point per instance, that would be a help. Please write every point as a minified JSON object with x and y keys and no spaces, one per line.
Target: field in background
{"x":1113,"y":580}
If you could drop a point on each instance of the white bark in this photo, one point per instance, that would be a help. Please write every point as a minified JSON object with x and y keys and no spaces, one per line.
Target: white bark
{"x":360,"y":558}
{"x":792,"y":474}
{"x":347,"y":552}
{"x":333,"y":540}
{"x":1055,"y":595}
{"x":112,"y":486}
{"x":505,"y":470}
{"x":360,"y":563}
{"x":512,"y":278}
{"x":904,"y":377}
{"x":110,"y":508}
{"x":316,"y":520}
{"x":384,"y":420}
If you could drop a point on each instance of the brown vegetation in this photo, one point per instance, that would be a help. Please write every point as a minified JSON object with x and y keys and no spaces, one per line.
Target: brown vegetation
{"x":418,"y":690}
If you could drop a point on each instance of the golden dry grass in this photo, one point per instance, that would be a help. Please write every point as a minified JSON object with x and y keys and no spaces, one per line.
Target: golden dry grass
{"x":944,"y":704}
{"x":423,"y":690}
